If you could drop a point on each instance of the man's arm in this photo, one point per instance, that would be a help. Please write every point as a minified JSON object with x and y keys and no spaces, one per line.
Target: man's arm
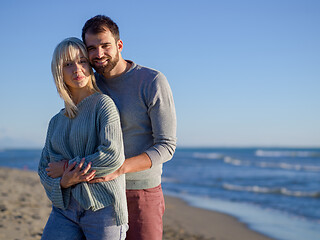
{"x":134,"y":164}
{"x":162,"y":114}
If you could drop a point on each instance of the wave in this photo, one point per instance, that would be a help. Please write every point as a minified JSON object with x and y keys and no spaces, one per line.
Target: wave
{"x":266,"y":190}
{"x":280,"y":165}
{"x":271,"y":153}
{"x":217,"y":156}
{"x":288,"y":166}
{"x":237,"y":162}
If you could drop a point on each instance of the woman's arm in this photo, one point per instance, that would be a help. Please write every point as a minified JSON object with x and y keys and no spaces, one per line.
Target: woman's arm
{"x":58,"y":197}
{"x":107,"y":159}
{"x":57,"y":189}
{"x":109,"y":155}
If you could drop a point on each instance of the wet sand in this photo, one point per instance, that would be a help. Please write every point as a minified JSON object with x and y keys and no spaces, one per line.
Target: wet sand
{"x":190,"y":223}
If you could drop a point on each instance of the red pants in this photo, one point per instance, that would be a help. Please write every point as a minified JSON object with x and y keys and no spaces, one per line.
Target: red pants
{"x":146,"y":208}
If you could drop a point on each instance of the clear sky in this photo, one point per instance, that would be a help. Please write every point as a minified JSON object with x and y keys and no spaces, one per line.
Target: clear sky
{"x":242,"y":72}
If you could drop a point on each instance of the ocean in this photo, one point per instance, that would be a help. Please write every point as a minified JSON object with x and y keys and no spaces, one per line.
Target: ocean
{"x":275,"y":191}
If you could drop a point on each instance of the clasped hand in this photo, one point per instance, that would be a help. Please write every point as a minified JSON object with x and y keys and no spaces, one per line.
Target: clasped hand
{"x":74,"y":175}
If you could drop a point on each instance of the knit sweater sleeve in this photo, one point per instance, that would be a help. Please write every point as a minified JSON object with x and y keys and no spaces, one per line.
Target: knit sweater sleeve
{"x":162,"y":114}
{"x":109,"y":155}
{"x":58,"y":196}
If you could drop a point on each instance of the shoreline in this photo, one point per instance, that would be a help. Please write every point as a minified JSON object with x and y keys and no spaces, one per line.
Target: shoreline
{"x":25,"y":209}
{"x":205,"y":224}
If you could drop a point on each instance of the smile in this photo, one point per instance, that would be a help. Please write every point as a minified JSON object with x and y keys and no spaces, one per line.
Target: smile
{"x":101,"y":61}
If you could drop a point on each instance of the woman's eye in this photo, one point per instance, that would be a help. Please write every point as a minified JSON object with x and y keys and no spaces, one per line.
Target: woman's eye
{"x":68,"y":64}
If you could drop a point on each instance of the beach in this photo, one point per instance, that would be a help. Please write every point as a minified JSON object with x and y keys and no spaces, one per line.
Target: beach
{"x":25,"y":208}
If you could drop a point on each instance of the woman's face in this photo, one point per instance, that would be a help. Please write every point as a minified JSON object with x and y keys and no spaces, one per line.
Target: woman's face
{"x":76,"y":72}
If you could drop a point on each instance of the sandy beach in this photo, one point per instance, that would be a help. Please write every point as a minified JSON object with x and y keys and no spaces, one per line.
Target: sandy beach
{"x":24,"y":210}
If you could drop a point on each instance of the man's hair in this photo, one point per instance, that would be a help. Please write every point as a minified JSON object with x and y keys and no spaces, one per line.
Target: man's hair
{"x":65,"y":51}
{"x":99,"y":24}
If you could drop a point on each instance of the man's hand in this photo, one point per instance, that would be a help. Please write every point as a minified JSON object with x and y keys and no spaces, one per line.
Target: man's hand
{"x":108,"y":177}
{"x":74,"y":176}
{"x":56,"y":169}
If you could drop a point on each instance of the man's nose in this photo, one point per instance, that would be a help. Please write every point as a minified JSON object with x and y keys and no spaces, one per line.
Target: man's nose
{"x":100,"y":52}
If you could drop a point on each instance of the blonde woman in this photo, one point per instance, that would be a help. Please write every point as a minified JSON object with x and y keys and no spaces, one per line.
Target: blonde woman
{"x":86,"y":138}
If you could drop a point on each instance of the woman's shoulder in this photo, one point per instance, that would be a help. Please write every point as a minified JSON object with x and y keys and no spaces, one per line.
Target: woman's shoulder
{"x":104,"y":102}
{"x":103,"y":97}
{"x":56,"y":118}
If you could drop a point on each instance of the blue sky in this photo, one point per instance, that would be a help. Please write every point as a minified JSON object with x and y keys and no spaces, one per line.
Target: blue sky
{"x":243,"y":73}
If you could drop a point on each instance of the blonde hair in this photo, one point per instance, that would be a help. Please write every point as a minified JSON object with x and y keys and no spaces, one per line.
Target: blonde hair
{"x":68,"y":50}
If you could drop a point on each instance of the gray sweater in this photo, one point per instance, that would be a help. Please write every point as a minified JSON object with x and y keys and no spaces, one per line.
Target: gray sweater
{"x":95,"y":134}
{"x":148,"y":119}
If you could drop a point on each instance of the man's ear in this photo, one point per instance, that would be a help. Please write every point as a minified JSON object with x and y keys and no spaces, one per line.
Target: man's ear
{"x":120,"y":45}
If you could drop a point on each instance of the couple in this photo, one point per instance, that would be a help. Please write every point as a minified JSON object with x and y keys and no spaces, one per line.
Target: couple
{"x":98,"y":167}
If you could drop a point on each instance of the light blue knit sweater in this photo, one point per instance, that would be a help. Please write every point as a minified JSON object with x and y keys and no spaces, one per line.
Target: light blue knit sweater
{"x":94,"y":134}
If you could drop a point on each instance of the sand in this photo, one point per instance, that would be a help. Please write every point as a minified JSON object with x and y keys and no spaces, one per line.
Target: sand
{"x":24,"y":210}
{"x":24,"y":206}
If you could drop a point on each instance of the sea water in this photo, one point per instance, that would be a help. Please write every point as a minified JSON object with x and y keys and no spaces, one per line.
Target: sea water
{"x":275,"y":191}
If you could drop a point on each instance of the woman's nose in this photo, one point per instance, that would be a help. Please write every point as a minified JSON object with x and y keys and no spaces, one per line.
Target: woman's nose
{"x":76,"y":68}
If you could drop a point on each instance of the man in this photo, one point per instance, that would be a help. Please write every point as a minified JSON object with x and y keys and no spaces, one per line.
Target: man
{"x":144,"y":99}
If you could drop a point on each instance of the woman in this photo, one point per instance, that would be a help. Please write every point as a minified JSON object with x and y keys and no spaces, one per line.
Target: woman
{"x":85,"y":135}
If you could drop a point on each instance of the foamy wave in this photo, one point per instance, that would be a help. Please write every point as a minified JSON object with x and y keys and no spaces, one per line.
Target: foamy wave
{"x":208,"y":155}
{"x":265,"y":190}
{"x":236,"y":162}
{"x":280,"y":165}
{"x":288,"y":166}
{"x":270,"y":153}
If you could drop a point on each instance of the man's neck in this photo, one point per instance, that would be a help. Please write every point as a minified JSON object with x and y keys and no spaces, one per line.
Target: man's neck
{"x":122,"y":67}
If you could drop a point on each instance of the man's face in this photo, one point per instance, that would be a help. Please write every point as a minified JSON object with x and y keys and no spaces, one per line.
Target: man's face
{"x":103,"y":51}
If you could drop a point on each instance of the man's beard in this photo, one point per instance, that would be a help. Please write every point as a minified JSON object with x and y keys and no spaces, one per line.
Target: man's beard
{"x":108,"y":67}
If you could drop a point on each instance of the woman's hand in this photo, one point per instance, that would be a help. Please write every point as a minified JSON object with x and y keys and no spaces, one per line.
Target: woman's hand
{"x":73,"y":175}
{"x":56,"y":169}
